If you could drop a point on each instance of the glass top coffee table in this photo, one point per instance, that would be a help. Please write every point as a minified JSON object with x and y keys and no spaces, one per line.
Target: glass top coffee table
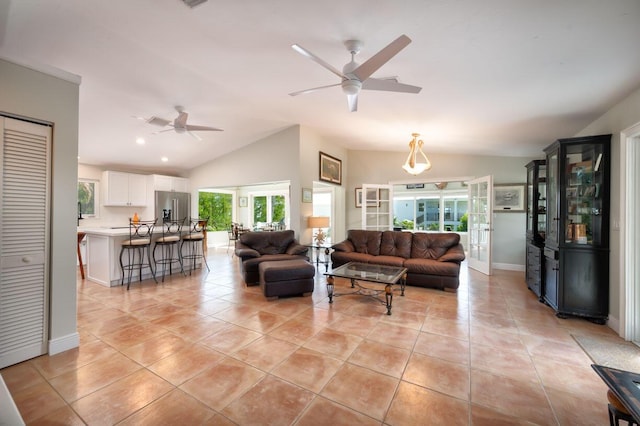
{"x":365,"y":272}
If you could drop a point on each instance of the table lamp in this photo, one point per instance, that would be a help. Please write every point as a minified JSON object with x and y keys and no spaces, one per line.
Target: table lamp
{"x":319,"y":222}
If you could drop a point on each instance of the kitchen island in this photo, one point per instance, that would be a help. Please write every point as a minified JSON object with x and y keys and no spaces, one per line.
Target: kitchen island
{"x":103,"y":255}
{"x":103,"y":245}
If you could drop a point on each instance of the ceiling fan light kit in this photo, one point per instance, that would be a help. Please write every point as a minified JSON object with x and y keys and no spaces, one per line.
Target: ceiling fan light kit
{"x":356,"y":77}
{"x":414,"y":164}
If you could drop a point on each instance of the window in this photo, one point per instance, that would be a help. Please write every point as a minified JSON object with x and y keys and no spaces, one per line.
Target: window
{"x":218,"y":207}
{"x":442,"y":210}
{"x":87,"y":198}
{"x":269,"y":208}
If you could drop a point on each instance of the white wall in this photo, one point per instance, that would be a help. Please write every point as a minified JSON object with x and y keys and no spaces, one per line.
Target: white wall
{"x":29,"y":93}
{"x":113,"y":216}
{"x":621,"y":116}
{"x":382,"y":167}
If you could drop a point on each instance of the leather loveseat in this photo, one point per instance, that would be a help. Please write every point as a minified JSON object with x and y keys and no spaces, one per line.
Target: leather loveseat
{"x":432,"y":259}
{"x":253,"y":248}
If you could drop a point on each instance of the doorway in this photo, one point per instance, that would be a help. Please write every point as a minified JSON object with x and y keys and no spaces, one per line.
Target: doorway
{"x":630,"y":233}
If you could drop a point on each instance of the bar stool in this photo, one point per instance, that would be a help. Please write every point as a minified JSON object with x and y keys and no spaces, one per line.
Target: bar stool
{"x":195,"y":241}
{"x":171,"y":232}
{"x":140,"y":233}
{"x":81,"y":236}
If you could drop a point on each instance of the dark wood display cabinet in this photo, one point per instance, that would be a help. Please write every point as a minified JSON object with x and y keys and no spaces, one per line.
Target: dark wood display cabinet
{"x":576,"y":251}
{"x":536,"y":209}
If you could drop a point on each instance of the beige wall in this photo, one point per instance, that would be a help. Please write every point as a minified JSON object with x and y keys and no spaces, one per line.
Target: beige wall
{"x":622,"y":116}
{"x":29,"y":93}
{"x":378,"y":167}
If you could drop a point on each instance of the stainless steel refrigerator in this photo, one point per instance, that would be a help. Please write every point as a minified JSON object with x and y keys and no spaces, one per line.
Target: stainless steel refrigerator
{"x":172,"y":206}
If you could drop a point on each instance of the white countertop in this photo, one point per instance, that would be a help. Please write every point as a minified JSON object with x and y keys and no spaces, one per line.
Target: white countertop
{"x":106,"y":231}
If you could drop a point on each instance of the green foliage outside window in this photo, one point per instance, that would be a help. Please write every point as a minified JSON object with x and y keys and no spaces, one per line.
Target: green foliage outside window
{"x":277,"y":208}
{"x":87,"y":197}
{"x":259,"y":209}
{"x":218,"y":208}
{"x":463,"y":223}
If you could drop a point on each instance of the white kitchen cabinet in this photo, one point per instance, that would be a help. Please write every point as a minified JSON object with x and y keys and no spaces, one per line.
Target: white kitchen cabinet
{"x":170,"y":183}
{"x":124,"y":189}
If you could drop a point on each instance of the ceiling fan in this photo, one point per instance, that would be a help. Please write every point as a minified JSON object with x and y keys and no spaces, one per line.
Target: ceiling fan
{"x":179,"y":124}
{"x":358,"y":76}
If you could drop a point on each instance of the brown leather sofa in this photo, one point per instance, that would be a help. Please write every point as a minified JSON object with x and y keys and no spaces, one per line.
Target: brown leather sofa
{"x":253,"y":248}
{"x":432,"y":259}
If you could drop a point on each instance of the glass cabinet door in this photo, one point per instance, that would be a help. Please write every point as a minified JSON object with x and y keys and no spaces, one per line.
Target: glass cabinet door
{"x":553,"y":219}
{"x":583,"y":205}
{"x":542,"y":201}
{"x":530,"y":197}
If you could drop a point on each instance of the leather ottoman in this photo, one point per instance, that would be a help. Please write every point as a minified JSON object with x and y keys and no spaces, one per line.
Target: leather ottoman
{"x":286,"y":278}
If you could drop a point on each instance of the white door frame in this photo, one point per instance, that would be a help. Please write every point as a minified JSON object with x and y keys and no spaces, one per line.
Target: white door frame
{"x":479,"y":233}
{"x":629,"y":233}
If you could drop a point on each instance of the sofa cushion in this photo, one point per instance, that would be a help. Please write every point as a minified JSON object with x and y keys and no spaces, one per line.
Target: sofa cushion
{"x":340,"y":258}
{"x":431,"y":267}
{"x":431,"y":245}
{"x":364,"y":241}
{"x":268,"y":242}
{"x":388,"y":260}
{"x":396,"y":243}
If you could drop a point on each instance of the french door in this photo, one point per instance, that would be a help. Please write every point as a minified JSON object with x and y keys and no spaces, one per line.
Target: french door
{"x":377,"y":207}
{"x":479,"y":224}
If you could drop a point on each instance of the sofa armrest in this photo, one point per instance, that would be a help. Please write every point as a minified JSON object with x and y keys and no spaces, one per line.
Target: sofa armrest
{"x":246,"y":252}
{"x":297,"y":249}
{"x":454,"y":254}
{"x":345,"y":246}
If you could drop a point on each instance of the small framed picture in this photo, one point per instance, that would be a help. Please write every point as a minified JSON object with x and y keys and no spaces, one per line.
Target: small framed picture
{"x":330,"y":169}
{"x":307,"y":195}
{"x":508,"y":198}
{"x":243,"y":201}
{"x":372,"y":195}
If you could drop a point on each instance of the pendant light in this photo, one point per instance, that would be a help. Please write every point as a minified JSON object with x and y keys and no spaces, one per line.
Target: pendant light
{"x":414,"y":164}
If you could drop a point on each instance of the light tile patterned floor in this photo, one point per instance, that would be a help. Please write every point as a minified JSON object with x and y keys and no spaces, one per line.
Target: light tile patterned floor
{"x":205,"y":349}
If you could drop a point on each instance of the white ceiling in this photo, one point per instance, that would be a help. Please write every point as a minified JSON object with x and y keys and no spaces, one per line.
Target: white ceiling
{"x":499,"y":77}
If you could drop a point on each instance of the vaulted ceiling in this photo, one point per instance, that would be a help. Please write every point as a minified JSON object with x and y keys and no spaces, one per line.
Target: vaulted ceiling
{"x":498,"y":77}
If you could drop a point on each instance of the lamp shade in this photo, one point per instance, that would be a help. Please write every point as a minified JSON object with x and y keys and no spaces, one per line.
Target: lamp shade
{"x":318,"y":222}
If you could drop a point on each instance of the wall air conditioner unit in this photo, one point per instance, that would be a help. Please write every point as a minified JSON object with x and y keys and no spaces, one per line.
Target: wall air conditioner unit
{"x":193,"y":3}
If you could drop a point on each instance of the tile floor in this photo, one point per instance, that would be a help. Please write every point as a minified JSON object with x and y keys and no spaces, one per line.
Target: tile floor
{"x":205,"y":349}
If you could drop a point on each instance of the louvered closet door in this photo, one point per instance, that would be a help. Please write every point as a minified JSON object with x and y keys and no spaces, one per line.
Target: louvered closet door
{"x":24,"y":239}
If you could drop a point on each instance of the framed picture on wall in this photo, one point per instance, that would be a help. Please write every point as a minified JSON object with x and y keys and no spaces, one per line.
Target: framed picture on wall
{"x":243,"y":201}
{"x":508,"y":198}
{"x":373,"y":195}
{"x":330,"y":169}
{"x":307,"y":195}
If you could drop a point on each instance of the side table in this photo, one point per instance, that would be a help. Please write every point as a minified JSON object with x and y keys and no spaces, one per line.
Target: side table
{"x":325,"y":250}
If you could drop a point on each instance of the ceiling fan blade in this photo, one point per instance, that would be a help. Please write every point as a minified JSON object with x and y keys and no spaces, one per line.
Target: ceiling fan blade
{"x":181,"y":121}
{"x":163,"y":131}
{"x":193,"y":135}
{"x":365,"y":70}
{"x":304,"y":52}
{"x":389,"y":85}
{"x":192,"y":127}
{"x":353,"y":102}
{"x":157,"y":121}
{"x":304,"y":92}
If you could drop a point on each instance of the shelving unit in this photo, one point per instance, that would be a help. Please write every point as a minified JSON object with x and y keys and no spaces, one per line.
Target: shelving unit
{"x":536,"y":209}
{"x":577,"y":239}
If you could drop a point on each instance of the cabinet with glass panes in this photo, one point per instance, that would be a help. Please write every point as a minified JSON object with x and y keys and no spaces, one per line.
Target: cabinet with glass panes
{"x":577,"y":239}
{"x":536,"y":209}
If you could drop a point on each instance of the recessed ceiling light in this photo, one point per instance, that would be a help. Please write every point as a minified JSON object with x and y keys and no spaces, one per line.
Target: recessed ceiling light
{"x":140,"y":141}
{"x":164,"y":159}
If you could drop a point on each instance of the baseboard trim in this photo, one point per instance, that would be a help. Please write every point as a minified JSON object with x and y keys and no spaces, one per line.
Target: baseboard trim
{"x":64,"y":343}
{"x":508,"y":267}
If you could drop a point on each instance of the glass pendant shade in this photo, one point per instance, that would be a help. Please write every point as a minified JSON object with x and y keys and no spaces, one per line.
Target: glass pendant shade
{"x":417,"y":162}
